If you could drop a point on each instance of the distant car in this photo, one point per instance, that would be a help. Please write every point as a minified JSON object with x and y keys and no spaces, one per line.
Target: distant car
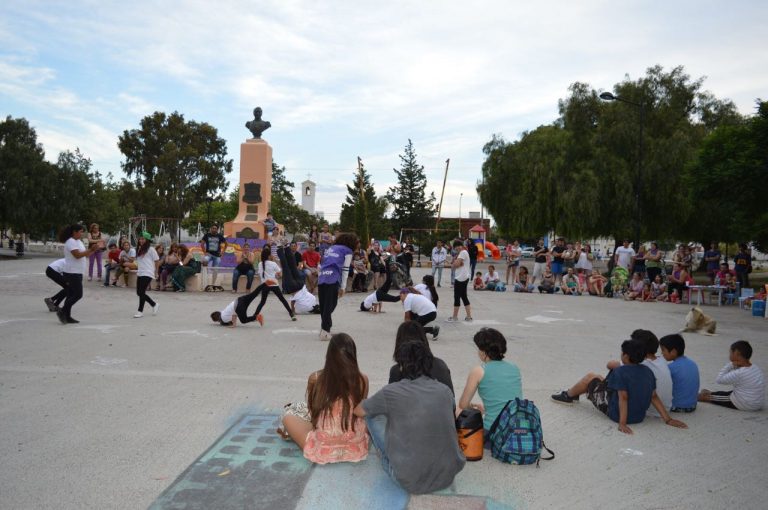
{"x":527,"y":253}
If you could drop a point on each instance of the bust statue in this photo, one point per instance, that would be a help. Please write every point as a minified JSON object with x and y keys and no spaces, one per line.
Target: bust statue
{"x":257,"y":126}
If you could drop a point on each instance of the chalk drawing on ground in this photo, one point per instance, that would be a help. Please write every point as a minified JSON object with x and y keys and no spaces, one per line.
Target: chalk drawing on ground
{"x":188,"y":332}
{"x":524,"y":325}
{"x":107,"y":362}
{"x":482,"y":322}
{"x":552,"y":311}
{"x":543,"y":319}
{"x":294,"y":331}
{"x":7,"y":321}
{"x":103,"y":328}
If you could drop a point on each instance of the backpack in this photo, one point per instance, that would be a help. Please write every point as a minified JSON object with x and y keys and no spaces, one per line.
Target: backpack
{"x":516,"y":436}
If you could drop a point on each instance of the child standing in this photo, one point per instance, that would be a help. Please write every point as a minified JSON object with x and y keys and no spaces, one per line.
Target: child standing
{"x":748,"y":383}
{"x":684,"y":371}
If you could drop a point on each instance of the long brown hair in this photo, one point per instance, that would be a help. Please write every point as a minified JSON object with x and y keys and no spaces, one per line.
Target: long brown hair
{"x":340,"y":379}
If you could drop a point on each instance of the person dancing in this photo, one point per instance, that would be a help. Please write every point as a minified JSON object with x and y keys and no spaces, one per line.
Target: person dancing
{"x":334,"y":269}
{"x":75,"y":262}
{"x":146,"y":258}
{"x":269,"y":272}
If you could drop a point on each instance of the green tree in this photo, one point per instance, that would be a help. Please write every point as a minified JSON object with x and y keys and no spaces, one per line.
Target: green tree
{"x":413,"y":208}
{"x":352,"y":214}
{"x":175,"y":164}
{"x":214,"y":211}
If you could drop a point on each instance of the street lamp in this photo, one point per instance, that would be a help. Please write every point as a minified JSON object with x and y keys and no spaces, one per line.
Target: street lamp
{"x":461,"y":195}
{"x":607,"y":96}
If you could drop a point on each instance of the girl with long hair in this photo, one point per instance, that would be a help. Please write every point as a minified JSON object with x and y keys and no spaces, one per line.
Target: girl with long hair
{"x":334,"y":269}
{"x":160,"y":249}
{"x":269,"y":272}
{"x":325,"y":428}
{"x":420,"y":309}
{"x":410,"y":331}
{"x":186,"y":268}
{"x":75,"y":256}
{"x":146,"y":261}
{"x":427,"y":288}
{"x":171,"y":262}
{"x":94,"y":238}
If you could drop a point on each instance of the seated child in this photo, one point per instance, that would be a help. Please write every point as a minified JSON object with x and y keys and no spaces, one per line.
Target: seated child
{"x":491,"y":278}
{"x":570,"y":284}
{"x":685,"y":374}
{"x":477,"y":283}
{"x":303,"y":302}
{"x":238,"y":309}
{"x":596,"y":283}
{"x":636,"y":285}
{"x":547,"y":282}
{"x":658,"y":289}
{"x":647,"y":294}
{"x":625,"y":394}
{"x":748,"y":383}
{"x":721,"y":278}
{"x":113,"y":261}
{"x":523,"y":281}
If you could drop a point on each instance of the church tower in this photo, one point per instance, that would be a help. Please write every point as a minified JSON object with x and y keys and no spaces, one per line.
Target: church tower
{"x":308,"y":196}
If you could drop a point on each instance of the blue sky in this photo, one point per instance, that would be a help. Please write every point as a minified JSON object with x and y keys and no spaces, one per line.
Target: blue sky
{"x":345,"y":79}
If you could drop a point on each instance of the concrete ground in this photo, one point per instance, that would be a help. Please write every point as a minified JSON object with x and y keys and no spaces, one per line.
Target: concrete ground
{"x":108,"y":413}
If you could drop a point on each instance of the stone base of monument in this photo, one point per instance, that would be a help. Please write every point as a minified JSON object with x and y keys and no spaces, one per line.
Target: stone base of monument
{"x":255,"y":191}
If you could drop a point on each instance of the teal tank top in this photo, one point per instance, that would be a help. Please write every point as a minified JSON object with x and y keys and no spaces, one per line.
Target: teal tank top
{"x":501,"y":382}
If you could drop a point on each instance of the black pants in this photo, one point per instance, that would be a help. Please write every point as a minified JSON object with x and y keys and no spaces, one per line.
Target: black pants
{"x":243,"y":302}
{"x":676,"y":287}
{"x":59,"y":279}
{"x":424,"y":320}
{"x":265,"y":290}
{"x":472,"y":267}
{"x":460,"y":292}
{"x":293,"y":279}
{"x":74,"y":292}
{"x":548,"y":290}
{"x":743,"y":278}
{"x":382,"y":293}
{"x":653,"y":272}
{"x":142,"y":284}
{"x":328,"y":295}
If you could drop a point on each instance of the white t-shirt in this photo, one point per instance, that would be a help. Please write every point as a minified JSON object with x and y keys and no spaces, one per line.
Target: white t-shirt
{"x":422,"y":287}
{"x":748,"y":386}
{"x":462,"y":272}
{"x":625,"y":256}
{"x":126,"y":255}
{"x":72,"y":264}
{"x":305,"y":301}
{"x":370,"y":300}
{"x":146,"y":263}
{"x":268,"y":271}
{"x":229,"y":312}
{"x":420,"y":305}
{"x":58,"y":265}
{"x":491,"y":277}
{"x":660,"y":370}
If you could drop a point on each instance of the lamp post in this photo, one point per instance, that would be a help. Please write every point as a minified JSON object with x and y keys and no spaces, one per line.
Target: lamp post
{"x":461,"y":195}
{"x":607,"y":96}
{"x":209,"y":200}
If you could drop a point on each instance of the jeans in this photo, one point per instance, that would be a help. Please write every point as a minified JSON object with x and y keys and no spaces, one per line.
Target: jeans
{"x":377,"y":427}
{"x":439,"y":271}
{"x":248,"y":275}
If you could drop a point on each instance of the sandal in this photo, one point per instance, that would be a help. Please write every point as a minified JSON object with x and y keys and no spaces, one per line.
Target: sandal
{"x":283,"y":434}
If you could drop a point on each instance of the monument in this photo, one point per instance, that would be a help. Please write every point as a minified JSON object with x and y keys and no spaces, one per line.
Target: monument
{"x":255,"y":183}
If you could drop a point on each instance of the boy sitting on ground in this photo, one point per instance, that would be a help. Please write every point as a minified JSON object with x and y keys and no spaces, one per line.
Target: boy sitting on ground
{"x":748,"y":383}
{"x":477,"y":283}
{"x":625,"y":394}
{"x":685,"y":374}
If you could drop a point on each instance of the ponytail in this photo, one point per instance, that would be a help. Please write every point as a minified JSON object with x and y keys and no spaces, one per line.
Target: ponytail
{"x":429,"y":281}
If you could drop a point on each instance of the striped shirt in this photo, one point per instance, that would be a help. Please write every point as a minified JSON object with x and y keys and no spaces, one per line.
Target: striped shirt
{"x":748,"y":386}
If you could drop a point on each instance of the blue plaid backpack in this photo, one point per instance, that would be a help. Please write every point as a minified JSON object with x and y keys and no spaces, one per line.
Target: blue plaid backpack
{"x":516,"y":436}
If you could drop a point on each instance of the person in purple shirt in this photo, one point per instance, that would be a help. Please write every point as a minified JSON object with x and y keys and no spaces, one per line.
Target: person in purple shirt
{"x":332,"y":278}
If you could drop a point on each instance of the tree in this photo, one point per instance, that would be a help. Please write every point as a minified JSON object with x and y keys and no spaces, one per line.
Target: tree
{"x":284,"y":208}
{"x":412,"y":207}
{"x":175,"y":164}
{"x":214,"y":211}
{"x":352,"y":214}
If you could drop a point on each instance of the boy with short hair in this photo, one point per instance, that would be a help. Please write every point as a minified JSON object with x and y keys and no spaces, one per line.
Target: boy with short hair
{"x":748,"y":383}
{"x":477,"y":283}
{"x":238,"y":309}
{"x":269,"y":224}
{"x":113,"y":262}
{"x":625,"y":394}
{"x":685,"y":374}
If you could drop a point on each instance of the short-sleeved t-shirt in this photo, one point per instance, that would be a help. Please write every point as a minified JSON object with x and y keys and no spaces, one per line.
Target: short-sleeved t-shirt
{"x":58,"y":265}
{"x":146,"y":263}
{"x":542,"y":257}
{"x":639,"y":383}
{"x":305,"y":301}
{"x":664,"y":386}
{"x":311,"y":258}
{"x":422,"y":287}
{"x":741,"y":262}
{"x":228,"y":312}
{"x":557,"y":254}
{"x":370,"y":300}
{"x":73,"y":265}
{"x":213,"y":243}
{"x":501,"y":383}
{"x":440,"y":372}
{"x":418,"y":304}
{"x":420,"y":433}
{"x":462,"y":272}
{"x":625,"y":256}
{"x":332,"y":266}
{"x":268,"y":272}
{"x":712,"y":265}
{"x":685,"y":382}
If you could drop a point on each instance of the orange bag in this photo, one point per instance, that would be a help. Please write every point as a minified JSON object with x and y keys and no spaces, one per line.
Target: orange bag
{"x":469,"y":429}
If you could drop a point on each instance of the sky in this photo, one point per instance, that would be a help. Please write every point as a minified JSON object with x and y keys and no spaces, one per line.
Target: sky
{"x":342,"y":79}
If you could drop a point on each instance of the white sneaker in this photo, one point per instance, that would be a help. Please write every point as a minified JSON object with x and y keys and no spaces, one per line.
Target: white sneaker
{"x":325,"y":335}
{"x":452,"y":319}
{"x":138,"y":315}
{"x":155,"y":308}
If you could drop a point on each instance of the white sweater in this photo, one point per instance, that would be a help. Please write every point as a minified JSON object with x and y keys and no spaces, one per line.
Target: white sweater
{"x":748,"y":386}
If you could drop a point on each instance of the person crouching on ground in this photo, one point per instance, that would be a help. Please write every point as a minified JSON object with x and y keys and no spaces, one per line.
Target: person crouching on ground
{"x":625,"y":394}
{"x":326,"y":427}
{"x":420,"y":309}
{"x":411,"y":423}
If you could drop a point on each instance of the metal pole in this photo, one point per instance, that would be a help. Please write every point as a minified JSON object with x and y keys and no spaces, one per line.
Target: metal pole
{"x":460,"y":197}
{"x":442,"y":193}
{"x":639,"y":182}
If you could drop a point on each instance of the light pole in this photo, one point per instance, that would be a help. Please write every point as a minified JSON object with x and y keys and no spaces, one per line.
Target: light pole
{"x":461,"y":195}
{"x":607,"y":96}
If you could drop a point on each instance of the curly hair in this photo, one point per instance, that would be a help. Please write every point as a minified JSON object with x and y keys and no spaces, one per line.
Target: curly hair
{"x":491,"y":342}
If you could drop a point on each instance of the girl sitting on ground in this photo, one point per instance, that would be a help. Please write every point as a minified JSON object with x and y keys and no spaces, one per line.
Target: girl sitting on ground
{"x":636,"y":285}
{"x":570,"y":284}
{"x":477,"y":283}
{"x":596,"y":283}
{"x":658,"y":289}
{"x":491,"y":278}
{"x":523,"y":281}
{"x":647,"y":294}
{"x":324,"y":427}
{"x":547,"y":282}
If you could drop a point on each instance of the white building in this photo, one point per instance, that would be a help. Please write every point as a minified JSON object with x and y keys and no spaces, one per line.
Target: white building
{"x":308,"y":196}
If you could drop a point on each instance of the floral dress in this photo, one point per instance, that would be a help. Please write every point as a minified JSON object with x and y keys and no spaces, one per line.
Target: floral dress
{"x":328,"y":443}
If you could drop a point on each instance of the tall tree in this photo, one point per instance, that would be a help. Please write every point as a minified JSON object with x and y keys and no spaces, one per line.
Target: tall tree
{"x":413,"y":208}
{"x":351,"y":217}
{"x":176,"y":163}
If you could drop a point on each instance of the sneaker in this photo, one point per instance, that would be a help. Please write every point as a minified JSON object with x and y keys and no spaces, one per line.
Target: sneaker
{"x":138,"y":315}
{"x":452,"y":319}
{"x":260,"y":319}
{"x":435,"y":332}
{"x":70,"y":320}
{"x":468,"y":319}
{"x":61,"y":316}
{"x":106,"y":284}
{"x":325,"y":335}
{"x":50,"y":304}
{"x":155,"y":308}
{"x":293,"y":318}
{"x":564,"y":398}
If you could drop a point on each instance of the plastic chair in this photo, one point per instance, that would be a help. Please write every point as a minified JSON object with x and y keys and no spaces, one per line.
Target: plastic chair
{"x":745,"y":294}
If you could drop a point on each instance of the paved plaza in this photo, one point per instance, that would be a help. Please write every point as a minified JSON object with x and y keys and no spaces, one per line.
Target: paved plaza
{"x":175,"y":412}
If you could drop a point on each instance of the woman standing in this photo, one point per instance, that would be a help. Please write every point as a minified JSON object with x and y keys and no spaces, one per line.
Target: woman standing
{"x":513,"y":261}
{"x":269,"y":272}
{"x":325,"y":428}
{"x":332,"y":281}
{"x":94,"y":238}
{"x":244,"y":267}
{"x":653,"y":262}
{"x":74,"y":269}
{"x":639,"y":261}
{"x":146,"y":258}
{"x":461,"y":280}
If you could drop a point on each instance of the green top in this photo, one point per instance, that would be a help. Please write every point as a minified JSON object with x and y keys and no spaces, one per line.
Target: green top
{"x":652,"y":263}
{"x":501,"y":383}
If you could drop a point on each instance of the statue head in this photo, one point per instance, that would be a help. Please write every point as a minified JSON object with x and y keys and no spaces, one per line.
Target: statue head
{"x":257,"y":112}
